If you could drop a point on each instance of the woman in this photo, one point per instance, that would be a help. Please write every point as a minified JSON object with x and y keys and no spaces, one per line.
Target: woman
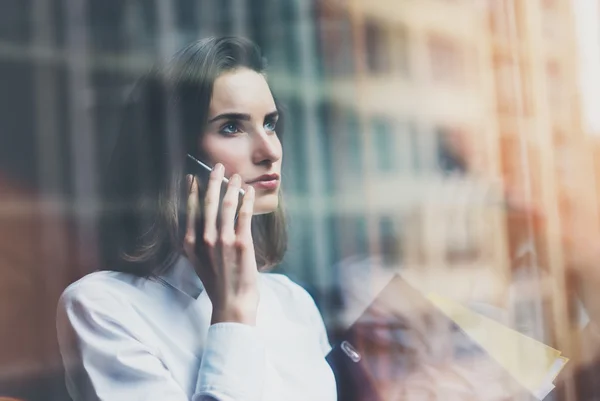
{"x":182,"y":311}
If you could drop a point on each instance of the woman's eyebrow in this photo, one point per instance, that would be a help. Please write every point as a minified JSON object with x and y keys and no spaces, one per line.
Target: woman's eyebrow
{"x":272,"y":115}
{"x":230,"y":116}
{"x":240,"y":116}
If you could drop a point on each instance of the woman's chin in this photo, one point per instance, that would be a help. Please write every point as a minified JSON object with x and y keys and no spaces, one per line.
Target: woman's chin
{"x":266,"y":204}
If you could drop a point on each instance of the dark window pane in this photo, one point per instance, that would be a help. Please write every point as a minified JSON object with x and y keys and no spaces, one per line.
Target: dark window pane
{"x":325,"y":120}
{"x":414,"y":147}
{"x":257,"y":23}
{"x":291,"y":43}
{"x":15,"y":20}
{"x":18,"y":141}
{"x":335,"y":42}
{"x":295,"y":161}
{"x":362,"y":235}
{"x":450,"y":157}
{"x":383,"y":137}
{"x":377,"y":48}
{"x":389,"y":241}
{"x":354,"y":149}
{"x":224,"y":19}
{"x":333,"y":227}
{"x":186,"y":12}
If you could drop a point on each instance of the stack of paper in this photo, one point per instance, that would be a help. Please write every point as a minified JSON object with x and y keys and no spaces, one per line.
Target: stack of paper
{"x":531,"y":363}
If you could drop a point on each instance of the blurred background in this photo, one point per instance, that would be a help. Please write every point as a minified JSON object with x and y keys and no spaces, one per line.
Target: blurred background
{"x":416,"y":128}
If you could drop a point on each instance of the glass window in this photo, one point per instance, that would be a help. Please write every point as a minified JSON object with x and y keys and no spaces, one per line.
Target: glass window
{"x":408,"y":157}
{"x":415,"y":148}
{"x":15,"y":21}
{"x":258,"y":27}
{"x":389,"y":241}
{"x":294,"y":141}
{"x":186,"y":12}
{"x":362,"y":235}
{"x":224,"y":16}
{"x":335,"y":42}
{"x":377,"y":48}
{"x":325,"y":116}
{"x":451,"y":157}
{"x":385,"y":147}
{"x":401,"y":50}
{"x":354,"y":143}
{"x":446,"y":60}
{"x":291,"y":43}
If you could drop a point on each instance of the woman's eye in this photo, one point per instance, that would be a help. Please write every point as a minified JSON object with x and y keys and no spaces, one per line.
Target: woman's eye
{"x":229,"y":128}
{"x":270,"y":125}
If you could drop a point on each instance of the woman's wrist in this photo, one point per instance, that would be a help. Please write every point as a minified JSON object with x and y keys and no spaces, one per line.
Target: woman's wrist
{"x":233,"y":316}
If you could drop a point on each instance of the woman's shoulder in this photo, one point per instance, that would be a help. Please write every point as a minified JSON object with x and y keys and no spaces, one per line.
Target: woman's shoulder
{"x":286,"y":289}
{"x":100,"y":285}
{"x":282,"y":284}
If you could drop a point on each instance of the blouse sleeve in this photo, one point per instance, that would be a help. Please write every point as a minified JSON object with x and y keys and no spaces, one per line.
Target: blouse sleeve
{"x":106,"y":359}
{"x":309,"y":309}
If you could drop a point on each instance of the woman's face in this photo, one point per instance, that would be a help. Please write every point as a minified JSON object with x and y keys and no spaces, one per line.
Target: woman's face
{"x":240,"y":134}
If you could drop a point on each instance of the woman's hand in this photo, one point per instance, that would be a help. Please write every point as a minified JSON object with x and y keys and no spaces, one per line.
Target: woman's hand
{"x":229,"y":272}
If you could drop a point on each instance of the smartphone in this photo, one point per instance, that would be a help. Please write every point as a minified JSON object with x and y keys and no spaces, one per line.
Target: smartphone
{"x":202,"y":171}
{"x":206,"y":170}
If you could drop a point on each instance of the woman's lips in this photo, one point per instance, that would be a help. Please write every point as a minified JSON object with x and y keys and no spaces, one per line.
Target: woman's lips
{"x":266,"y":184}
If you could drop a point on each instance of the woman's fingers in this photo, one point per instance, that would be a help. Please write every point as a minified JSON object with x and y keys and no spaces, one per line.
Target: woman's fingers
{"x":228,"y":211}
{"x":211,"y":205}
{"x":189,"y":242}
{"x":244,"y":223}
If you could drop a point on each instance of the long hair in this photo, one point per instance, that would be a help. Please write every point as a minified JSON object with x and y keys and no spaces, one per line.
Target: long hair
{"x":144,"y":189}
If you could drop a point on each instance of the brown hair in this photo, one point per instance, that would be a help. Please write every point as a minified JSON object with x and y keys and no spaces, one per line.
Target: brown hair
{"x":144,"y":188}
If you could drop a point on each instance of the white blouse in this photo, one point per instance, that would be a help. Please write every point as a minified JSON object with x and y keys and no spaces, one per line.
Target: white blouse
{"x":124,"y":337}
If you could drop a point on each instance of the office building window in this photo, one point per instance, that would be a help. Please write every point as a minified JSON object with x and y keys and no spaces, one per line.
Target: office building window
{"x":306,"y":243}
{"x":334,"y":41}
{"x":186,"y":12}
{"x":451,"y":151}
{"x":385,"y":144}
{"x":296,"y":162}
{"x":389,"y":241}
{"x":462,"y":240}
{"x":113,"y":37}
{"x":377,"y":47}
{"x":291,"y":43}
{"x":362,"y":235}
{"x":408,"y":159}
{"x":15,"y":21}
{"x":415,"y":148}
{"x":224,"y":16}
{"x":446,"y":60}
{"x":257,"y":23}
{"x":334,"y":227}
{"x":401,"y":50}
{"x":326,"y":127}
{"x":354,"y":148}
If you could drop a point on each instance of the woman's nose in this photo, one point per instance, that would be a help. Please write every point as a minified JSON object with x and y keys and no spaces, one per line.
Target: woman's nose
{"x":267,"y":147}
